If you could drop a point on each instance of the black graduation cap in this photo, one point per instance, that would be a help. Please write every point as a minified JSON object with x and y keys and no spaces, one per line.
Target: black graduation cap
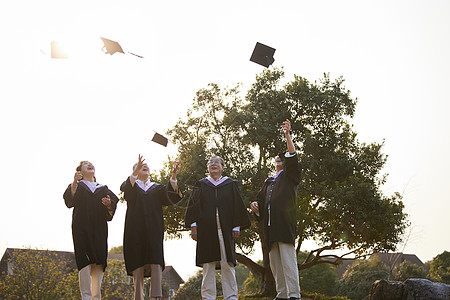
{"x":111,"y":47}
{"x":57,"y":52}
{"x":160,"y":139}
{"x":263,"y":55}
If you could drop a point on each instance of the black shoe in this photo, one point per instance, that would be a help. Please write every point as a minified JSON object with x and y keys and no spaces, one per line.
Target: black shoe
{"x":293,"y":298}
{"x":280,"y":298}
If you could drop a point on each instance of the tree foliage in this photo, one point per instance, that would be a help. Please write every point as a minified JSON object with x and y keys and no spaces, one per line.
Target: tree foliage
{"x":359,"y":277}
{"x":340,"y":203}
{"x":116,"y":250}
{"x":38,"y":274}
{"x":319,"y":278}
{"x":440,"y":268}
{"x":191,"y":289}
{"x":407,"y":270}
{"x":116,"y":283}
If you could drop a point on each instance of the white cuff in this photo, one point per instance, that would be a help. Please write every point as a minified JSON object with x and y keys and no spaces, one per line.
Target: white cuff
{"x":174,"y":184}
{"x":194,"y":224}
{"x":287,"y":154}
{"x":237,"y":228}
{"x":133,"y":179}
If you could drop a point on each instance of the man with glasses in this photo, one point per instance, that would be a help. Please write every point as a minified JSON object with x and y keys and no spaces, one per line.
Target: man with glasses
{"x":216,"y":214}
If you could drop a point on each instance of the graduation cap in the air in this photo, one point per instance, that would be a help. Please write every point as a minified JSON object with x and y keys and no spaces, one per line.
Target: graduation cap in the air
{"x":56,"y":51}
{"x":160,"y":139}
{"x":263,"y":55}
{"x":110,"y":47}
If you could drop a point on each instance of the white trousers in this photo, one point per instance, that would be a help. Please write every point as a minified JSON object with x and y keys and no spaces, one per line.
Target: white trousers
{"x":90,"y":279}
{"x":155,"y":282}
{"x":283,"y":263}
{"x":229,"y":285}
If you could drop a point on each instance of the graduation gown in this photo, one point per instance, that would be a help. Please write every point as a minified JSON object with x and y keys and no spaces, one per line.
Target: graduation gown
{"x":281,"y":194}
{"x":89,"y":223}
{"x":204,"y":200}
{"x":144,"y":224}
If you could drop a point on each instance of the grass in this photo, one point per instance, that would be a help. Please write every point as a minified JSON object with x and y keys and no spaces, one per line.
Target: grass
{"x":305,"y":296}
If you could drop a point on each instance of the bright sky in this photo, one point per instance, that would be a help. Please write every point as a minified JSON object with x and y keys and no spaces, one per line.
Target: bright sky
{"x":54,"y":113}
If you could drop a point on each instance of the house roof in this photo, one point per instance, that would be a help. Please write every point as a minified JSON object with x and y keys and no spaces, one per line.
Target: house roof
{"x":169,"y":274}
{"x":395,"y":259}
{"x":391,"y":260}
{"x":169,"y":270}
{"x":65,"y":256}
{"x":118,"y":256}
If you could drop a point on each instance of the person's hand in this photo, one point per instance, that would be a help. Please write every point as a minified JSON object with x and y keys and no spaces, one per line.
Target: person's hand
{"x":194,"y":233}
{"x":254,"y":207}
{"x":175,"y":169}
{"x":106,"y":201}
{"x":77,"y":177}
{"x":139,"y":166}
{"x":286,"y":126}
{"x":235,"y":234}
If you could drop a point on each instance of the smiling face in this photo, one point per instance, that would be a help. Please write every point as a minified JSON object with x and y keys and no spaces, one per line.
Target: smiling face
{"x":87,"y":169}
{"x":144,"y":172}
{"x":215,"y":166}
{"x":278,"y":163}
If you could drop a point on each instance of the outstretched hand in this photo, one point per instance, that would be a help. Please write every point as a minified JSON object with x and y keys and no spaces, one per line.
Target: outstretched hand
{"x":175,"y":166}
{"x":140,"y":164}
{"x":286,"y":126}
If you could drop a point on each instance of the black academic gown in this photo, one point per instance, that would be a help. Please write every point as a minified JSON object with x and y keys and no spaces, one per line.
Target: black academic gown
{"x":144,"y":224}
{"x":204,"y":200}
{"x":281,"y":194}
{"x":89,"y":227}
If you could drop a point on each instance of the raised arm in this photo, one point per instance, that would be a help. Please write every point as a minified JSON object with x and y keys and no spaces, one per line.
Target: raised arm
{"x":173,"y":179}
{"x":293,"y":168}
{"x":135,"y":173}
{"x":286,"y":128}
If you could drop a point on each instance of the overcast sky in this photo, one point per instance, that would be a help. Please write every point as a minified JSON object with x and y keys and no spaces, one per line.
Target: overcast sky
{"x":54,"y":113}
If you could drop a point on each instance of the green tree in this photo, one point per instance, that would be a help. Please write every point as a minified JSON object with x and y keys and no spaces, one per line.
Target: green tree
{"x":116,"y":283}
{"x":242,"y":274}
{"x":407,"y":270}
{"x":147,"y":288}
{"x":191,"y":289}
{"x":359,"y":277}
{"x":319,"y":278}
{"x":116,"y":250}
{"x":37,"y":274}
{"x":440,"y":268}
{"x":252,"y":285}
{"x":340,"y":203}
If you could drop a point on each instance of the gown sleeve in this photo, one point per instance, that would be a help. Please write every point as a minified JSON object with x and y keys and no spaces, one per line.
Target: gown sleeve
{"x":172,"y":196}
{"x":68,"y":199}
{"x":114,"y":200}
{"x":193,"y":208}
{"x":240,"y":214}
{"x":293,"y":169}
{"x":129,"y":193}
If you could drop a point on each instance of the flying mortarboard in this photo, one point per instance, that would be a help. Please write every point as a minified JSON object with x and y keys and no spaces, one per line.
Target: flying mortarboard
{"x":160,"y":139}
{"x":111,"y":47}
{"x":263,"y":55}
{"x":57,"y":52}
